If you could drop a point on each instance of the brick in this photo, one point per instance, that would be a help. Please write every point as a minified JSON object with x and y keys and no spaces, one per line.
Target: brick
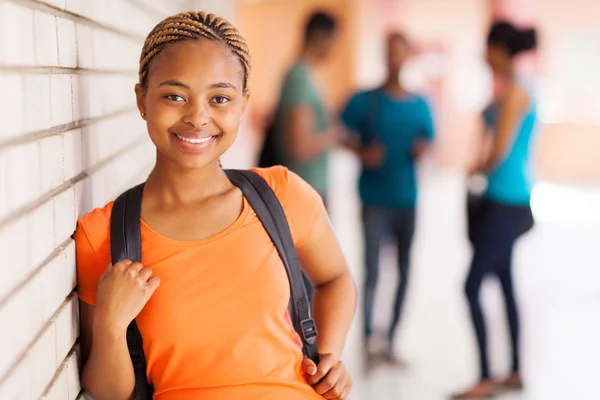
{"x":45,"y":38}
{"x":72,"y":154}
{"x":83,"y":197}
{"x":44,"y":362}
{"x":67,"y":328}
{"x":73,"y":375}
{"x":50,"y":284}
{"x":64,"y":216}
{"x":11,"y":106}
{"x":16,"y":49}
{"x":60,"y":387}
{"x":85,"y":51}
{"x":60,"y":94}
{"x":14,"y":340}
{"x":3,"y":185}
{"x":51,"y":162}
{"x":36,"y":103}
{"x":40,"y":233}
{"x":70,"y":267}
{"x":22,"y":179}
{"x":76,"y":96}
{"x":17,"y":386}
{"x":13,"y":247}
{"x":67,"y":45}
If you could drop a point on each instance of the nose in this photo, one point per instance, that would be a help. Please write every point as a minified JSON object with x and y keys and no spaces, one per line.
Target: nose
{"x":197,"y":114}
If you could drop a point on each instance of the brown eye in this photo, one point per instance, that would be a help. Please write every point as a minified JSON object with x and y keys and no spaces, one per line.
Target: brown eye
{"x":221,"y":100}
{"x":174,"y":97}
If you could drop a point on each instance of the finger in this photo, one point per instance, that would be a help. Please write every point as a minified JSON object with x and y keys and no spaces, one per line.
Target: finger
{"x":153,"y":284}
{"x":330,"y":380}
{"x":123,"y":264}
{"x":323,"y":368}
{"x":346,"y":393}
{"x":135,"y":267}
{"x":338,"y":389}
{"x":145,"y":274}
{"x":308,"y":366}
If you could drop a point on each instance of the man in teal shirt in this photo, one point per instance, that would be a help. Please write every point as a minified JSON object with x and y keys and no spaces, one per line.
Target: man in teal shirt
{"x":302,"y":127}
{"x":392,"y":126}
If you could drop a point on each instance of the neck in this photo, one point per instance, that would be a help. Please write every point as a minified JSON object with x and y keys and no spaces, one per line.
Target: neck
{"x":173,"y":184}
{"x":308,"y":58}
{"x":392,"y":83}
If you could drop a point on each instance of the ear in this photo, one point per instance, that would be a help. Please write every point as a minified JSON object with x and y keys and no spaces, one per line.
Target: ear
{"x":140,"y":95}
{"x":245,"y":100}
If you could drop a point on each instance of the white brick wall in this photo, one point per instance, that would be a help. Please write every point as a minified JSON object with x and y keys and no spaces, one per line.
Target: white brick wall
{"x":71,"y":139}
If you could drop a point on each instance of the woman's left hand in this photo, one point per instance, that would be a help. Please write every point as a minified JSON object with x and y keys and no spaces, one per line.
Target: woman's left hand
{"x":330,"y":378}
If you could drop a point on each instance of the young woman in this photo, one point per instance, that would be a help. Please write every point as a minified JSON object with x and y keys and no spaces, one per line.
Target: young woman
{"x":211,"y":294}
{"x":504,"y":213}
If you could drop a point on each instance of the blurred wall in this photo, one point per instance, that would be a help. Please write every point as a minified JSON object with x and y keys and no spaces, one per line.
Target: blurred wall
{"x":71,"y":139}
{"x":274,"y":32}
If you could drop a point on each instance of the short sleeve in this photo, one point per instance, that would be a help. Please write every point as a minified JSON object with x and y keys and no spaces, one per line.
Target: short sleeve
{"x":354,"y":114}
{"x":301,"y":203}
{"x":296,"y":88}
{"x":92,"y":250}
{"x":428,"y":125}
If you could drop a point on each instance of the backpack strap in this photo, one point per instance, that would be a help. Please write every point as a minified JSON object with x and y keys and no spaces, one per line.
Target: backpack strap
{"x":265,"y":203}
{"x":126,"y":243}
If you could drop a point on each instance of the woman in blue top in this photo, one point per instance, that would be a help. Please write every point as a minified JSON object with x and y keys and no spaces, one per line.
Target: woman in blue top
{"x":504,"y":213}
{"x":392,"y":126}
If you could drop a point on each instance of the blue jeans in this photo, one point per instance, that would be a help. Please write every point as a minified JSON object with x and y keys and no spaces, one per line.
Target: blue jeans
{"x":380,"y":223}
{"x":494,"y":229}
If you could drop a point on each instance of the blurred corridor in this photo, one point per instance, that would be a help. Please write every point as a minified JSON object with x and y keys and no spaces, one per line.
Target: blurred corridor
{"x":71,"y":139}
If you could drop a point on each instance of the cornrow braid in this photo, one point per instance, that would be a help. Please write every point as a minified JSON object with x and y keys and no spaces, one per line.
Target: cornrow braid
{"x":190,"y":26}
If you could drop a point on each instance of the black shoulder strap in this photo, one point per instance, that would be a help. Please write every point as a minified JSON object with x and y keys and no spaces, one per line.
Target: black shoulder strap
{"x":268,"y":209}
{"x":126,"y":243}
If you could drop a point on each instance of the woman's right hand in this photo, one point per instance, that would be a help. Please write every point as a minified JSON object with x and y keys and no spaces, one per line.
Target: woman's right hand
{"x":123,"y":291}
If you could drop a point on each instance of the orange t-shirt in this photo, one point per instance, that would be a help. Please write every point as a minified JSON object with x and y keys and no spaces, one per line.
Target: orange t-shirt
{"x":218,"y":326}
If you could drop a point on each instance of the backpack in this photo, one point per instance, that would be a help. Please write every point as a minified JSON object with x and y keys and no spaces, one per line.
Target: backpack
{"x":126,"y":243}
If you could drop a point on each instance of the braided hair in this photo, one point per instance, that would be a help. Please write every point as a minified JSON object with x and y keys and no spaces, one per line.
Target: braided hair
{"x":193,"y":26}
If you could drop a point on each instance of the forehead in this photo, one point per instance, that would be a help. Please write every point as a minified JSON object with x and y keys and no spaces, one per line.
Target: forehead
{"x":203,"y":61}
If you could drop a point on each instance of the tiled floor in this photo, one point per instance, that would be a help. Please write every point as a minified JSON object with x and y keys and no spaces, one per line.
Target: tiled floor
{"x":560,"y":311}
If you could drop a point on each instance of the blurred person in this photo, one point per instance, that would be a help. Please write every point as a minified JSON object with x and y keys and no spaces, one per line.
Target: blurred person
{"x":303,"y":133}
{"x":393,"y":128}
{"x":211,"y":296}
{"x":503,"y":213}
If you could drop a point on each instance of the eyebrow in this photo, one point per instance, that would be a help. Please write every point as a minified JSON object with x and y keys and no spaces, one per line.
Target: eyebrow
{"x":174,"y":83}
{"x":219,"y":85}
{"x":222,"y":85}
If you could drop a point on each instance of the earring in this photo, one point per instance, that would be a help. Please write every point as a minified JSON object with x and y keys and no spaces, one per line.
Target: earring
{"x":143,"y":115}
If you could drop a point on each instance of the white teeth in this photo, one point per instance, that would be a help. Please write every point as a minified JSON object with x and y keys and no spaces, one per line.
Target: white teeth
{"x":194,"y":141}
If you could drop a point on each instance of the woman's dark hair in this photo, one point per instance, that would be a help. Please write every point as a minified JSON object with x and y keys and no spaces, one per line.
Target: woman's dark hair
{"x":194,"y":26}
{"x":513,"y":39}
{"x":319,"y":23}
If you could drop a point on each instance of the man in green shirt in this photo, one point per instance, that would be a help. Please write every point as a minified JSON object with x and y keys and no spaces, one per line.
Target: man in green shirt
{"x":304,"y":133}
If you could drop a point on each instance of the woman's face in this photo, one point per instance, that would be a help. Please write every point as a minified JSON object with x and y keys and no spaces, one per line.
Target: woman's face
{"x":193,"y":102}
{"x":500,"y":63}
{"x":499,"y":60}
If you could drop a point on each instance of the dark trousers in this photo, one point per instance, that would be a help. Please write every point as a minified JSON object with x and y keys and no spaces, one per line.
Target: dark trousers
{"x":494,"y":228}
{"x":380,"y":223}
